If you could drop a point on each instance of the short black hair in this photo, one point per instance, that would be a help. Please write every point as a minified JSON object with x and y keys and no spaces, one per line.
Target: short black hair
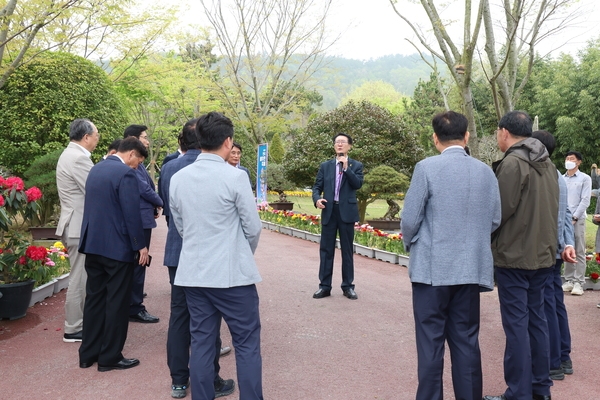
{"x":576,"y":154}
{"x":518,"y":123}
{"x":115,"y":144}
{"x":134,"y":130}
{"x":239,"y":146}
{"x":449,"y":126}
{"x":213,"y":129}
{"x":343,"y":134}
{"x":79,"y":128}
{"x":547,"y":140}
{"x":189,"y":137}
{"x":132,"y":143}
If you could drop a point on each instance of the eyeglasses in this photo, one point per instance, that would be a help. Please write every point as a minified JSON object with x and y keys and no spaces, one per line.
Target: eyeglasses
{"x":341,"y":142}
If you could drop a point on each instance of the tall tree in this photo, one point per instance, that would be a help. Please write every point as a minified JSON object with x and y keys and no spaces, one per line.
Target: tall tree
{"x":378,"y":92}
{"x":269,"y":48}
{"x":95,"y":29}
{"x":458,"y":58}
{"x":525,"y":23}
{"x":163,"y":91}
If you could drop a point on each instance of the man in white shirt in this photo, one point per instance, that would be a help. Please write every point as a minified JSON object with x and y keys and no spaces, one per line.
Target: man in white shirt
{"x":579,"y":187}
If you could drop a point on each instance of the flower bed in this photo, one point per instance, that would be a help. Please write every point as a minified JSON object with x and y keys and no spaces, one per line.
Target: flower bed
{"x":364,"y":235}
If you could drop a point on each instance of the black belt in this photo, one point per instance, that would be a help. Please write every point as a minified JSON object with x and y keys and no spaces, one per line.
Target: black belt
{"x":336,"y":202}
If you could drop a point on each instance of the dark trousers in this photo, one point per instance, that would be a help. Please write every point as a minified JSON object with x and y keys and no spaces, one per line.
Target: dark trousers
{"x":447,"y":313}
{"x":179,"y":339}
{"x":105,"y":314}
{"x":556,"y":315}
{"x":327,"y":250}
{"x":239,"y":307}
{"x":526,"y":356}
{"x":139,"y":277}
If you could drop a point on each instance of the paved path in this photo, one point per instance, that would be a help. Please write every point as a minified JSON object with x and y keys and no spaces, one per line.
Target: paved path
{"x":332,"y":348}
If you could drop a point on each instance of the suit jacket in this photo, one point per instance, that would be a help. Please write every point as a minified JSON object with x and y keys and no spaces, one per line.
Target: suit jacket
{"x":174,"y":242}
{"x":352,"y":180}
{"x":170,"y":157}
{"x":72,"y":170}
{"x":149,"y":198}
{"x":112,"y":225}
{"x":213,"y":208}
{"x":450,"y":211}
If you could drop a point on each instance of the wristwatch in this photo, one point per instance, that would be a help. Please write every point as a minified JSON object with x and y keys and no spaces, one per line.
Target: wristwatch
{"x":575,"y":219}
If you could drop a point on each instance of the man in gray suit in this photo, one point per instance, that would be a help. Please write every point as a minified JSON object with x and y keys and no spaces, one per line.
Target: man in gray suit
{"x":450,"y":211}
{"x":72,"y":170}
{"x":214,"y":211}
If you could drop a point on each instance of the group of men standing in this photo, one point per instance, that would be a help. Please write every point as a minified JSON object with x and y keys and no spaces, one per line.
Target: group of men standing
{"x":459,"y":222}
{"x":107,"y":213}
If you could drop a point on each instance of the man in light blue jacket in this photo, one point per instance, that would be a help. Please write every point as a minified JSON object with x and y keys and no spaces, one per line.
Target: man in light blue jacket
{"x":450,"y":211}
{"x":213,"y":209}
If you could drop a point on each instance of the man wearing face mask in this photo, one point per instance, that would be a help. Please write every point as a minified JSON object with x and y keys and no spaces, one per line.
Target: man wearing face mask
{"x":579,"y":186}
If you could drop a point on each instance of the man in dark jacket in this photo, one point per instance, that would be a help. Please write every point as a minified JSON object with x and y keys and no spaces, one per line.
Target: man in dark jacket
{"x":150,"y":203}
{"x":524,"y":250}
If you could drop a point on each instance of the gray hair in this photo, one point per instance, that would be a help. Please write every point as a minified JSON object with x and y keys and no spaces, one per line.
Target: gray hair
{"x":79,"y":128}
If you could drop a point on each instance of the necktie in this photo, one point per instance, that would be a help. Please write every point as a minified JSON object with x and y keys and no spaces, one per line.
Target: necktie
{"x":338,"y":183}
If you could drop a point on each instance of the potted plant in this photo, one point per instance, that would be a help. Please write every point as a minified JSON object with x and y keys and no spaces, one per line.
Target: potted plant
{"x":385,"y":183}
{"x":276,"y":181}
{"x":20,"y":263}
{"x":42,"y":174}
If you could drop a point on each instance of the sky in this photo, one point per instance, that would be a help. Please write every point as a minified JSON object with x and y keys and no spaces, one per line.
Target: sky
{"x":370,"y":28}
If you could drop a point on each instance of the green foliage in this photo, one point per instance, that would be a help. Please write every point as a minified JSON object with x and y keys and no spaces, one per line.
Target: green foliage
{"x":42,"y":98}
{"x":383,"y":182}
{"x":426,"y":102}
{"x":276,"y":151}
{"x":379,"y":138}
{"x":276,"y":179}
{"x":42,"y":173}
{"x":381,"y":93}
{"x":565,"y":94}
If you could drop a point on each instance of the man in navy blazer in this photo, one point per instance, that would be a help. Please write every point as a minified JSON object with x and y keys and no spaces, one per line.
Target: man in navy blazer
{"x":450,"y":211}
{"x":150,"y":204}
{"x":112,"y":238}
{"x":334,"y":193}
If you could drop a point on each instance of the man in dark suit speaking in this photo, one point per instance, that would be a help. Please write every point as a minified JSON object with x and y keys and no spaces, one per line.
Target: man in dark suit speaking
{"x":112,"y":238}
{"x":337,"y":181}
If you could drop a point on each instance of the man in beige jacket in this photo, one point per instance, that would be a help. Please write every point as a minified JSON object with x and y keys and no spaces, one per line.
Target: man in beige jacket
{"x":72,"y":170}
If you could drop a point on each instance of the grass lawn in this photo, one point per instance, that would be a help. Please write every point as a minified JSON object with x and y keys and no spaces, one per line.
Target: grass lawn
{"x":305,"y":205}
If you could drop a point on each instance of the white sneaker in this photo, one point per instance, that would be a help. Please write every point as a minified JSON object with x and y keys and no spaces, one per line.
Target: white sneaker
{"x":567,"y":286}
{"x":577,"y":289}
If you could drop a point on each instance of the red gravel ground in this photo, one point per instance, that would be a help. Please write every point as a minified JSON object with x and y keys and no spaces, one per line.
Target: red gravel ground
{"x":331,"y":348}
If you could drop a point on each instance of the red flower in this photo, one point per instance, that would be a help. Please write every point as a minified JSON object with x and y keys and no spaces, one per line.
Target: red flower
{"x":1,"y":199}
{"x":36,"y":253}
{"x":22,"y":260}
{"x":13,"y":182}
{"x":598,"y":258}
{"x":33,"y":194}
{"x":594,"y":275}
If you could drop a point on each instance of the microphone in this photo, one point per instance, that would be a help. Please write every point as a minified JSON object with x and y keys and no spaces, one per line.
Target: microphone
{"x":341,"y":164}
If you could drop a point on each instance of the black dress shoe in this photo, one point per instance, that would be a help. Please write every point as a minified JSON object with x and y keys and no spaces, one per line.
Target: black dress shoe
{"x":86,"y":364}
{"x":143,"y":316}
{"x":541,"y":397}
{"x":351,"y":294}
{"x":319,"y":294}
{"x":125,"y":363}
{"x":501,"y":397}
{"x":73,"y":337}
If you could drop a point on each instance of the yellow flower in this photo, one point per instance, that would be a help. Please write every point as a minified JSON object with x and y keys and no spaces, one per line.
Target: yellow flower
{"x":58,"y":245}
